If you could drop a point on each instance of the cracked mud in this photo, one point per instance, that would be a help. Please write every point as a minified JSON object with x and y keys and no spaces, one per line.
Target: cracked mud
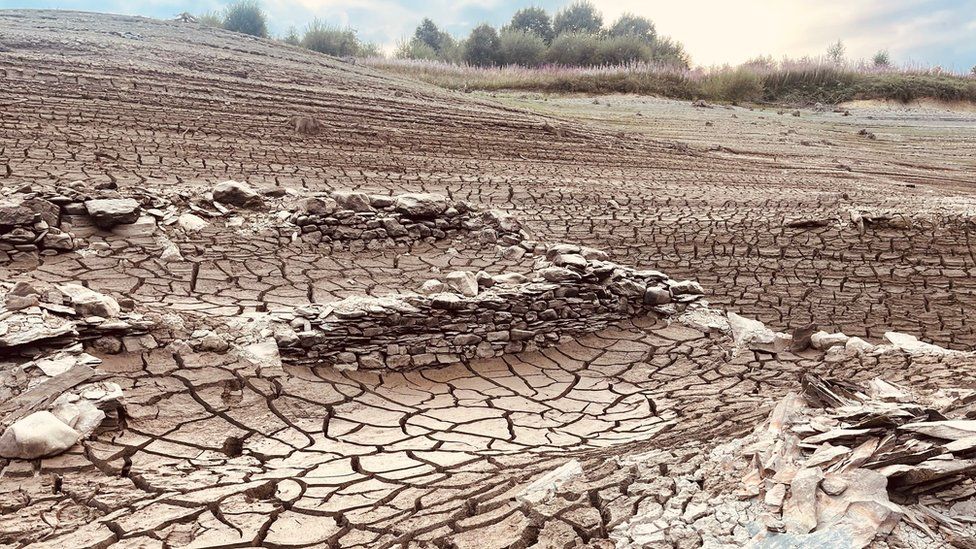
{"x":219,"y":364}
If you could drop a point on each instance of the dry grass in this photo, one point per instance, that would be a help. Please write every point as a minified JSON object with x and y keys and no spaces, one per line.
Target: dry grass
{"x":793,"y":82}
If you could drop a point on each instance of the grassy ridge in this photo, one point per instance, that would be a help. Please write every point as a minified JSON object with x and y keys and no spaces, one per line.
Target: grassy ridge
{"x":803,"y":82}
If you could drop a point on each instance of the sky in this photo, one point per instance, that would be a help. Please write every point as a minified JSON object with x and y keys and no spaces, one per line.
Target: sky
{"x":715,"y":32}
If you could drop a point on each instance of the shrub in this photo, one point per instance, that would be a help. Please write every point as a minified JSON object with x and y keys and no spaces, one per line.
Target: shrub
{"x":330,"y":40}
{"x":518,"y":47}
{"x":415,"y":49}
{"x":835,"y":53}
{"x":733,"y":85}
{"x":633,"y":25}
{"x":481,"y":48}
{"x":534,"y":21}
{"x":621,"y":50}
{"x":580,"y":17}
{"x":292,"y":38}
{"x":451,"y":50}
{"x":574,"y":50}
{"x":665,"y":51}
{"x":211,"y":19}
{"x":246,"y":16}
{"x":881,"y":59}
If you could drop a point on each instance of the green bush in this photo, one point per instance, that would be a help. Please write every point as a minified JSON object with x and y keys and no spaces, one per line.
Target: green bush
{"x":211,"y":19}
{"x":415,"y":49}
{"x":733,"y":85}
{"x":665,"y":51}
{"x":881,"y":59}
{"x":247,"y":17}
{"x":481,"y":48}
{"x":533,"y":20}
{"x":330,"y":40}
{"x":574,"y":50}
{"x":292,"y":38}
{"x":621,"y":50}
{"x":520,"y":48}
{"x":580,"y":17}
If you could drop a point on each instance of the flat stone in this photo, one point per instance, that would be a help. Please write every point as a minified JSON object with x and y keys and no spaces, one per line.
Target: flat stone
{"x":238,"y":194}
{"x":106,"y":213}
{"x":357,"y":202}
{"x":191,"y":223}
{"x":88,"y":302}
{"x":559,"y":274}
{"x":421,"y":205}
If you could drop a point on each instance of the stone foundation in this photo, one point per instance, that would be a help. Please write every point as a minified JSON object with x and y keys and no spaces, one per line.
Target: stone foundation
{"x":489,"y":316}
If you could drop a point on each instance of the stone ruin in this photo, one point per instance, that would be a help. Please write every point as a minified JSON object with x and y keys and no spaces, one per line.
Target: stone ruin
{"x":574,"y":291}
{"x":54,"y":219}
{"x":51,"y":394}
{"x":49,"y":220}
{"x":351,"y":219}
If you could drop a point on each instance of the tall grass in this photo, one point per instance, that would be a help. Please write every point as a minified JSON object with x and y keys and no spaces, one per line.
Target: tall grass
{"x":792,"y":82}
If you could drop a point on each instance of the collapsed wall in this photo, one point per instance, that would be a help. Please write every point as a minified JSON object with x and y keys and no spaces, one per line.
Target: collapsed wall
{"x":573,"y":291}
{"x":51,"y":394}
{"x":350,"y":219}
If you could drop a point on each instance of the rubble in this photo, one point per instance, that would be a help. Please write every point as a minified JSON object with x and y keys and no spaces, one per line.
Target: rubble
{"x":849,"y":461}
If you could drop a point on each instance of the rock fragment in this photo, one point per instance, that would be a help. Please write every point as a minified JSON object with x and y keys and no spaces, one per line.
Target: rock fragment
{"x":109,"y":212}
{"x":238,"y":194}
{"x":38,"y":435}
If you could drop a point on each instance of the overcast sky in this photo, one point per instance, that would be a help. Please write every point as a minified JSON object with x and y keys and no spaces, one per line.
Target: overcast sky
{"x":925,"y":32}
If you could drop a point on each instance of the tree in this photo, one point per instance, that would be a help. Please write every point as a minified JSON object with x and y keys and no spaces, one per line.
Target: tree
{"x":481,"y":48}
{"x":580,"y":17}
{"x":574,"y":50}
{"x":427,"y":33}
{"x":881,"y":59}
{"x":292,"y":38}
{"x":835,"y":53}
{"x":246,"y":16}
{"x":533,"y":20}
{"x":519,"y":47}
{"x":634,"y":25}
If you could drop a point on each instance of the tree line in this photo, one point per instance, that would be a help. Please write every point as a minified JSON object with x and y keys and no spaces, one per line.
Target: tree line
{"x":575,"y":36}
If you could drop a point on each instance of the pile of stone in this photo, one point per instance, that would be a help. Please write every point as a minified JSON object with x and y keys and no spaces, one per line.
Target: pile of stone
{"x":50,"y":395}
{"x":472,"y":315}
{"x":349,"y":219}
{"x":51,"y":220}
{"x":50,"y":403}
{"x":754,"y":335}
{"x":30,"y":223}
{"x":842,"y":464}
{"x":33,"y":319}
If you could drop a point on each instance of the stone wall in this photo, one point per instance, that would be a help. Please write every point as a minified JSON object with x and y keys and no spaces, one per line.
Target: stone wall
{"x":484,"y":315}
{"x":30,"y":223}
{"x":350,"y":219}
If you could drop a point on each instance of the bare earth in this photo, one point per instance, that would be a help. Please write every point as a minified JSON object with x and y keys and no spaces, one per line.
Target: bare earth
{"x":787,"y":219}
